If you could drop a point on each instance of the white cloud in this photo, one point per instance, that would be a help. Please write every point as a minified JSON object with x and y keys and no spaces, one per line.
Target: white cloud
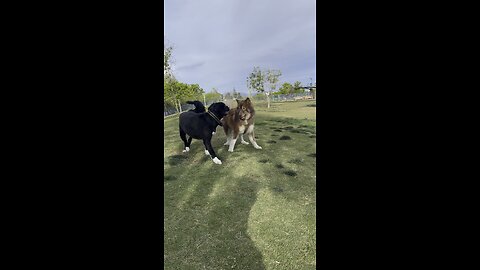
{"x":217,"y":43}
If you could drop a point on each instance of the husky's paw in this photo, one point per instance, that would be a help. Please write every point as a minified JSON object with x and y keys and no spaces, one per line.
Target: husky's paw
{"x":186,"y":149}
{"x":230,"y":150}
{"x":217,"y":161}
{"x":258,"y":147}
{"x":207,"y":153}
{"x":244,"y":142}
{"x":213,"y":133}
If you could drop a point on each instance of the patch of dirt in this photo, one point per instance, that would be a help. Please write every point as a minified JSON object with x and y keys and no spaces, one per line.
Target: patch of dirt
{"x":290,"y":173}
{"x":176,"y":159}
{"x":169,"y":177}
{"x":277,"y":189}
{"x":296,"y":161}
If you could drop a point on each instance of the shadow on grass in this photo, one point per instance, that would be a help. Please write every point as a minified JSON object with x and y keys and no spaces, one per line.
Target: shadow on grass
{"x":206,"y":220}
{"x":176,"y":159}
{"x":206,"y":216}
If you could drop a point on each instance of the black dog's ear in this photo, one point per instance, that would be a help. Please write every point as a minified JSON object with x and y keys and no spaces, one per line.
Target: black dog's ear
{"x":247,"y":100}
{"x":238,"y":101}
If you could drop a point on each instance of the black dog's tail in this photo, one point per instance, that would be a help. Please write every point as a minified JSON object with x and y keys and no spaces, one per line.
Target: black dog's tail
{"x":199,"y":107}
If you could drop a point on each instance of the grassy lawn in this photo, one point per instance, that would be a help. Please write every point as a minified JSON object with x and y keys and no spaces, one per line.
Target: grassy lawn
{"x":257,"y":209}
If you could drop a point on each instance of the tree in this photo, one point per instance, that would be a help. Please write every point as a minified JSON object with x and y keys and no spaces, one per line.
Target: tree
{"x":314,"y":90}
{"x":236,"y":94}
{"x":256,"y":80}
{"x":249,"y":87}
{"x":169,"y":87}
{"x":221,"y":96}
{"x":272,"y":79}
{"x":213,"y":96}
{"x":194,"y":92}
{"x":297,"y":87}
{"x":176,"y":92}
{"x":167,"y":66}
{"x":187,"y":92}
{"x":286,"y":89}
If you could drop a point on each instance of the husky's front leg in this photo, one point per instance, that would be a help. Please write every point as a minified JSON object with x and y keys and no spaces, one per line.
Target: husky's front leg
{"x":233,"y":140}
{"x":254,"y":143}
{"x":251,"y":137}
{"x":229,"y":138}
{"x":242,"y":140}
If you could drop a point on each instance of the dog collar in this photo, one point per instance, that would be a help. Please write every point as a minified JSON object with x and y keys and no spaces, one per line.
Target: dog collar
{"x":214,"y":117}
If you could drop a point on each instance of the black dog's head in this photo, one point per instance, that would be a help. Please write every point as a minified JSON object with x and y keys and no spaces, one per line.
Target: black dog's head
{"x":219,"y":109}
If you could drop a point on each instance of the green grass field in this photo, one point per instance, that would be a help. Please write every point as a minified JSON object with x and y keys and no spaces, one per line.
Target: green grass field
{"x":254,"y":211}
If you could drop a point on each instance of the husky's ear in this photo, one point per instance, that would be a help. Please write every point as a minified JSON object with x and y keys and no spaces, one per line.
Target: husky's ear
{"x":247,"y":100}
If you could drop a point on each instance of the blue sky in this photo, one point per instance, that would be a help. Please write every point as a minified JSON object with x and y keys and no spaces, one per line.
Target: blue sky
{"x":218,"y":42}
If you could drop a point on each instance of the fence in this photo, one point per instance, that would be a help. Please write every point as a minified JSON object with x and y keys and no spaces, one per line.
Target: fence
{"x":279,"y":98}
{"x":291,"y":97}
{"x":170,"y":110}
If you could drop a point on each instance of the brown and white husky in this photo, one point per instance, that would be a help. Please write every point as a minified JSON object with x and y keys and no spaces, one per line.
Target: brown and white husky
{"x":239,"y":121}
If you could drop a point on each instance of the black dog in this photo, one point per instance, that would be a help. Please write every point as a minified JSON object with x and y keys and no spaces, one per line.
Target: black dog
{"x":201,"y":125}
{"x":199,"y":108}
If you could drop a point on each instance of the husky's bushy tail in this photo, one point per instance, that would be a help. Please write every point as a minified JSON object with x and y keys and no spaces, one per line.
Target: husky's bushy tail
{"x":199,"y":108}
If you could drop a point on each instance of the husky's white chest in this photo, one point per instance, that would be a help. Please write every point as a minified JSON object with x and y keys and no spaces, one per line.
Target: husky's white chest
{"x":241,"y":129}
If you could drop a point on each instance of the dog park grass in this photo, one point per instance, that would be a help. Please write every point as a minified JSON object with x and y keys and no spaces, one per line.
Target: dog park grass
{"x":254,"y":211}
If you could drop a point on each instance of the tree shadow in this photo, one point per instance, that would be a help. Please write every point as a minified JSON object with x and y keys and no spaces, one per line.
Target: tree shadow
{"x":206,"y":216}
{"x":206,"y":220}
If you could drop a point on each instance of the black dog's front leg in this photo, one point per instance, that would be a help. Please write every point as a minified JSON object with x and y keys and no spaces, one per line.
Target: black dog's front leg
{"x":209,"y":148}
